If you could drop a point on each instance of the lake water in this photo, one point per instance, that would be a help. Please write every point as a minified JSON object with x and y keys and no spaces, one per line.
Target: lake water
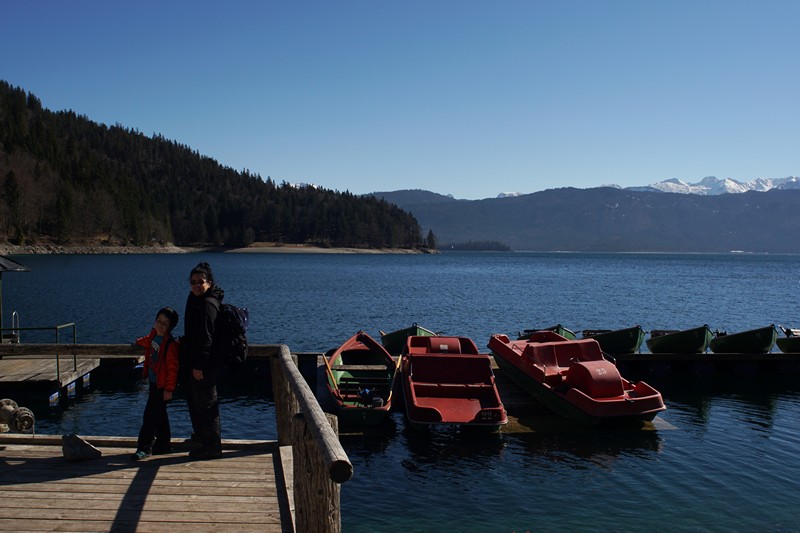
{"x":724,"y":456}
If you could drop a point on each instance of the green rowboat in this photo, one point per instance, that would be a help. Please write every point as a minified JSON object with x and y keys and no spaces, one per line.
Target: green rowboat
{"x":791,"y":342}
{"x":695,"y":340}
{"x":396,"y":340}
{"x":557,"y":329}
{"x":624,"y":341}
{"x":759,"y":340}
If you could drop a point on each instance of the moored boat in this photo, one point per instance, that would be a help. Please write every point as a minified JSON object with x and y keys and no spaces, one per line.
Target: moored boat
{"x":395,"y":341}
{"x":361,"y":378}
{"x":573,"y":379}
{"x":760,"y":340}
{"x":694,"y":340}
{"x":558,"y":329}
{"x":447,"y":381}
{"x":627,"y":340}
{"x":791,"y":342}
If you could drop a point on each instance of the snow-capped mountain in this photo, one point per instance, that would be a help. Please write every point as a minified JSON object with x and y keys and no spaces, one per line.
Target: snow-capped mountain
{"x":712,"y":185}
{"x":708,"y":186}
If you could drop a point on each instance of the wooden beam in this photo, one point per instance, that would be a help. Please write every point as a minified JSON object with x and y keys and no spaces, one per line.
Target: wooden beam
{"x":335,"y":459}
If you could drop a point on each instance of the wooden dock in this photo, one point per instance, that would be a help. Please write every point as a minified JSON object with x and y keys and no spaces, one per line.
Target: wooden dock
{"x":249,"y":489}
{"x":53,"y":368}
{"x":44,"y":373}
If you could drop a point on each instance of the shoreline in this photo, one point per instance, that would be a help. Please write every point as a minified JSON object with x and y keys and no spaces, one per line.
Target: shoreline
{"x":255,"y":248}
{"x":275,"y":248}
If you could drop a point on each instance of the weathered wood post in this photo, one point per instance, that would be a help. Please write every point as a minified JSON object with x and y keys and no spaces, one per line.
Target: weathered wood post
{"x":317,"y":498}
{"x":320,"y":462}
{"x":286,"y":404}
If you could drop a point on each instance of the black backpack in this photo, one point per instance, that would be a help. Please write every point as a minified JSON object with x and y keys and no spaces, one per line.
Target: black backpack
{"x":230,"y":334}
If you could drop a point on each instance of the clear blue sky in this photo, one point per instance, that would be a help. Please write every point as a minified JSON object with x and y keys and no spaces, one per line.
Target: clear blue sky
{"x":458,"y":97}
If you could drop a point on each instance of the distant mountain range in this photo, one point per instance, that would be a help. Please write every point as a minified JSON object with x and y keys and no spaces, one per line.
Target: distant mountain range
{"x":713,"y":186}
{"x":707,"y":186}
{"x":610,"y":219}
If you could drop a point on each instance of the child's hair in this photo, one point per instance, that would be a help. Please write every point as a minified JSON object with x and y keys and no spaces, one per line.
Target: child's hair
{"x":203,"y":269}
{"x":171,"y":314}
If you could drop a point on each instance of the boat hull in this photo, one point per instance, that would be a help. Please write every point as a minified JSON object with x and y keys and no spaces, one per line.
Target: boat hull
{"x":791,"y":342}
{"x":546,"y":395}
{"x":446,"y":381}
{"x":573,"y":380}
{"x":788,"y":344}
{"x":624,"y":341}
{"x":759,"y":340}
{"x":361,"y":378}
{"x":695,"y":340}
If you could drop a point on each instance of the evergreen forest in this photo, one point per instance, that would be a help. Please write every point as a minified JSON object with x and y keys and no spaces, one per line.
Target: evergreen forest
{"x":68,"y":180}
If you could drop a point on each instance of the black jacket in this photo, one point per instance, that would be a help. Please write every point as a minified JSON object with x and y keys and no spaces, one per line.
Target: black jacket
{"x":198,"y":329}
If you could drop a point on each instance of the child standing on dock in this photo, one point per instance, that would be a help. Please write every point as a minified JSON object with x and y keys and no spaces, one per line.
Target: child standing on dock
{"x":161,"y":370}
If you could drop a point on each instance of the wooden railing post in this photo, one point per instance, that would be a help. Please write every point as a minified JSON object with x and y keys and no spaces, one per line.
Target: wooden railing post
{"x":286,"y":405}
{"x":316,"y":496}
{"x":336,"y":462}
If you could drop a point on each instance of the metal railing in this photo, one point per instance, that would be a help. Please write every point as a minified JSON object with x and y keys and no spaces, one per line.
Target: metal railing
{"x":12,"y":337}
{"x":15,"y":331}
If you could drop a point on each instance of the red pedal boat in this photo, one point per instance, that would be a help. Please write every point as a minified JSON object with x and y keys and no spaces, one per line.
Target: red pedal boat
{"x":446,"y":381}
{"x":572,"y":378}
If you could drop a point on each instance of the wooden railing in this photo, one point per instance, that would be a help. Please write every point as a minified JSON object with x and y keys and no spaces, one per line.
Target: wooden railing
{"x":320,"y":463}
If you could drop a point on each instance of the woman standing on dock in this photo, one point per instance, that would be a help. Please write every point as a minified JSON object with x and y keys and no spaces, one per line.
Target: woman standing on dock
{"x":161,"y":370}
{"x":202,"y":308}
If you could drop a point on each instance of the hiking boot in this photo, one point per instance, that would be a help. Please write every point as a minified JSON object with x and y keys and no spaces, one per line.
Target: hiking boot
{"x":140,"y":454}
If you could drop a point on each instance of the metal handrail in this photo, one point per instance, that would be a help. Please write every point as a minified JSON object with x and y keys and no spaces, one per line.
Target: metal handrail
{"x":57,"y":329}
{"x":15,"y":326}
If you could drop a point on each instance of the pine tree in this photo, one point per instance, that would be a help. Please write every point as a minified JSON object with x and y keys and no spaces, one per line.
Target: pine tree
{"x":431,"y":240}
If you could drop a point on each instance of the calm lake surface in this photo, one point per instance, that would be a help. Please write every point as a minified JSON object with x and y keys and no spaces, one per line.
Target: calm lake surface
{"x":725,"y":455}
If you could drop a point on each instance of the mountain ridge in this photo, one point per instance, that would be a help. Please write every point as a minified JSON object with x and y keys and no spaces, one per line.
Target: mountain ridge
{"x":710,"y":185}
{"x":608,"y":219}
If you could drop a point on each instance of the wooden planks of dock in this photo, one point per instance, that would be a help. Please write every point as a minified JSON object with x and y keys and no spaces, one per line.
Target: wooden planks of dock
{"x":248,"y":489}
{"x":46,"y":373}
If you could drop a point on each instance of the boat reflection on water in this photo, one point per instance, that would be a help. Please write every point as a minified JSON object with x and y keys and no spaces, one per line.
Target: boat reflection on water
{"x":754,"y":401}
{"x":367,"y":444}
{"x":539,"y":431}
{"x":386,"y":429}
{"x":451,"y":445}
{"x":600,"y":447}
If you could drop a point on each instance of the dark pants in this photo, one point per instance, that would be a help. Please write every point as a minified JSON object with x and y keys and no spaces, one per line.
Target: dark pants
{"x":185,"y":383}
{"x":206,"y":411}
{"x":155,"y":432}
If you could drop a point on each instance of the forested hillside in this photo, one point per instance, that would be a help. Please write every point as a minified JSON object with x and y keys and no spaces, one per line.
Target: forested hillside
{"x":69,"y":180}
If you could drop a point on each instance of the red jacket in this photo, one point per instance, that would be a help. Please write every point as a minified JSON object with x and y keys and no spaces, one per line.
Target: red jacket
{"x":166,"y":367}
